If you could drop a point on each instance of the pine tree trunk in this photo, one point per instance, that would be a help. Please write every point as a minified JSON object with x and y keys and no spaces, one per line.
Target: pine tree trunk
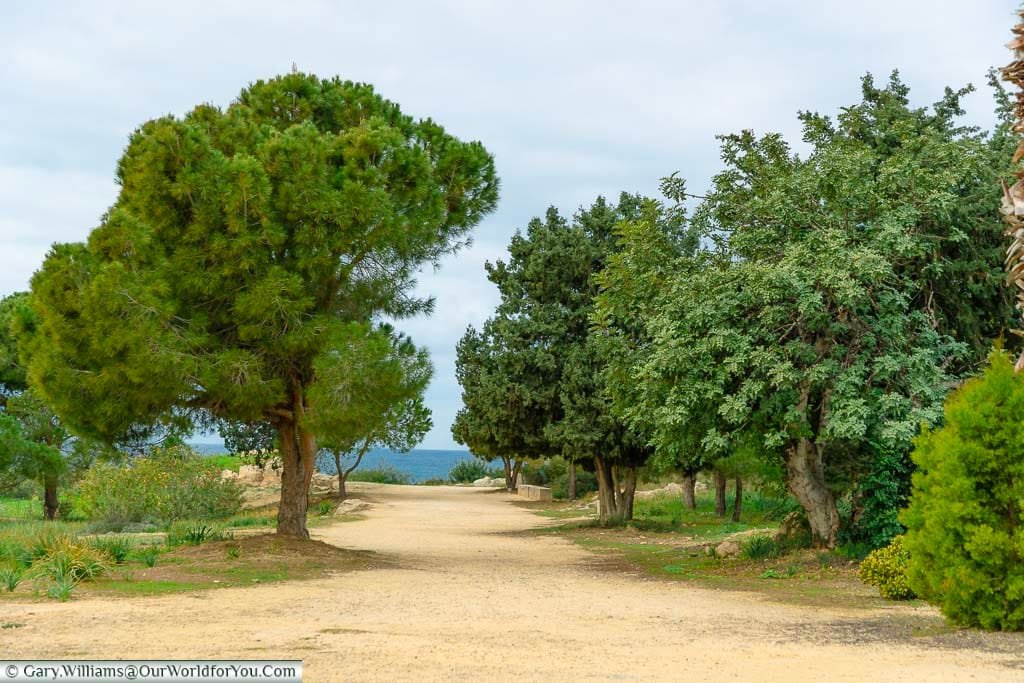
{"x":507,"y":462}
{"x":737,"y":505}
{"x":719,"y":494}
{"x":806,"y":481}
{"x":341,"y":475}
{"x":572,"y":481}
{"x":689,"y":491}
{"x":50,"y":502}
{"x":298,"y":451}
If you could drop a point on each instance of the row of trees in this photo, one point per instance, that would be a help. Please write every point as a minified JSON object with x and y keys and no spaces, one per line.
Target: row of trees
{"x":812,"y":313}
{"x":241,"y":275}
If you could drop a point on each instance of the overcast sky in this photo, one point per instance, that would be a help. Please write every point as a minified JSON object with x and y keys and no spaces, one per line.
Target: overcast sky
{"x":574,"y":99}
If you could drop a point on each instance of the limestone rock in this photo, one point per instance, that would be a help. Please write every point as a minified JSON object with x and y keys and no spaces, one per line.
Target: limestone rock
{"x":489,"y":482}
{"x":727,"y":549}
{"x":350,"y":505}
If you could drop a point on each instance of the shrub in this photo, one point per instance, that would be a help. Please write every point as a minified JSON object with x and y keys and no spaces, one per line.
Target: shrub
{"x":760,"y":547}
{"x":324,"y":507}
{"x":149,"y":555}
{"x":964,"y":534}
{"x":68,"y":560}
{"x":436,"y":481}
{"x":468,"y":471}
{"x":886,"y":569}
{"x":116,"y":548}
{"x":192,"y":533}
{"x":381,"y":475}
{"x":586,"y":483}
{"x":10,"y":576}
{"x":169,"y":484}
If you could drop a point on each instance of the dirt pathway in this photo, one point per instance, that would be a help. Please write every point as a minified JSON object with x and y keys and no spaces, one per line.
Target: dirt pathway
{"x":465,"y":600}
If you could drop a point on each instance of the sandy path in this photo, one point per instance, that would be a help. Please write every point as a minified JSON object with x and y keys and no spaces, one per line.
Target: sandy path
{"x":466,"y":601}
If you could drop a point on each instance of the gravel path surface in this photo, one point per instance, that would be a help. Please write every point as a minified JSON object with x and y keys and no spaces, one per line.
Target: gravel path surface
{"x":461,"y":598}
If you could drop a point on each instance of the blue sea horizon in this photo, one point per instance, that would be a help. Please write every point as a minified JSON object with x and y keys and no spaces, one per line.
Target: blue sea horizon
{"x":420,"y":464}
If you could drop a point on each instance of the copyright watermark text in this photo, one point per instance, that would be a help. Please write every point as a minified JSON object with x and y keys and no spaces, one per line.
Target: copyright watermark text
{"x":158,"y":671}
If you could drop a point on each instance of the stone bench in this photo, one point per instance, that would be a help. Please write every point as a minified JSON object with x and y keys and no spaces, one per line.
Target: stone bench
{"x":534,"y":492}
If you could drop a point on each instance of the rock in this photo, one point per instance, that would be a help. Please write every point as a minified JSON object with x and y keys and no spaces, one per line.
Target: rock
{"x":250,"y":474}
{"x":324,"y":482}
{"x":350,"y":505}
{"x":228,"y":474}
{"x":271,"y":477}
{"x":727,"y":549}
{"x":673,"y":489}
{"x":489,"y":482}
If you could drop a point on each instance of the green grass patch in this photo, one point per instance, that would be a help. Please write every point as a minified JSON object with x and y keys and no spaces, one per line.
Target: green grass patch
{"x":225,"y":461}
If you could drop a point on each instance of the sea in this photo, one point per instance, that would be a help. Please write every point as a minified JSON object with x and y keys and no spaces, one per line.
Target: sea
{"x":420,"y":464}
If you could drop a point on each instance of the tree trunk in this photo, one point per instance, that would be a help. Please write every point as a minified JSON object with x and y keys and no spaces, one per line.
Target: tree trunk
{"x":627,"y":493}
{"x":572,"y":481}
{"x":607,"y":503}
{"x":737,"y":505}
{"x":50,"y":502}
{"x":507,"y":462}
{"x":341,"y":475}
{"x":689,"y":491}
{"x":719,"y":494}
{"x":616,"y":490}
{"x":513,"y":480}
{"x":806,"y":480}
{"x":298,"y":456}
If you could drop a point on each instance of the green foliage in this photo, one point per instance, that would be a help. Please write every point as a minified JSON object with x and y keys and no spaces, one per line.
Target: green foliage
{"x":586,"y":483}
{"x":324,"y":508}
{"x":233,"y":552}
{"x":10,"y":576}
{"x":65,"y":563}
{"x":881,"y":495}
{"x":886,"y":569}
{"x":117,"y":548}
{"x":192,"y":533}
{"x":828,"y":314}
{"x":149,"y":555}
{"x":964,"y":535}
{"x":242,"y":243}
{"x":468,"y":471}
{"x":370,"y":394}
{"x":169,"y":484}
{"x":381,"y":475}
{"x":760,"y":547}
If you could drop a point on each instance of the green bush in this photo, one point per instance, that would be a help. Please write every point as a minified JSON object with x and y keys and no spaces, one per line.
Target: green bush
{"x":193,"y":533}
{"x":886,"y":569}
{"x":381,"y":475}
{"x":586,"y":483}
{"x":10,"y":576}
{"x":149,"y":555}
{"x":468,"y":471}
{"x":169,"y":484}
{"x":116,"y":548}
{"x":964,"y":531}
{"x":761,"y":547}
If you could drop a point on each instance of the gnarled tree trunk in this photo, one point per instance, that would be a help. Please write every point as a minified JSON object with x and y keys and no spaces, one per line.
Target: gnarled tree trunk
{"x":689,"y":490}
{"x":616,"y":490}
{"x":806,"y":480}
